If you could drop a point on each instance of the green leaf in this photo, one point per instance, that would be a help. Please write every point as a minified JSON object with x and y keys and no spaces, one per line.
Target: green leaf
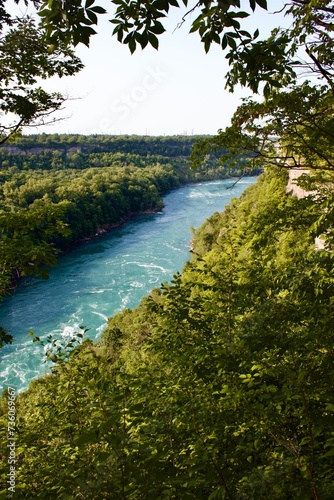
{"x":157,"y":28}
{"x":262,"y":3}
{"x":98,"y":10}
{"x":207,"y":45}
{"x":143,"y":40}
{"x":252,"y":4}
{"x":132,"y":44}
{"x":195,"y":27}
{"x":92,"y":16}
{"x":241,"y":14}
{"x":88,"y":437}
{"x":153,"y":40}
{"x":231,"y":42}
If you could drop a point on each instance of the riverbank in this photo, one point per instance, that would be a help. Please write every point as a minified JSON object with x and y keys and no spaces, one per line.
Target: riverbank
{"x":102,"y":230}
{"x":215,"y":379}
{"x":106,"y":228}
{"x":104,"y":276}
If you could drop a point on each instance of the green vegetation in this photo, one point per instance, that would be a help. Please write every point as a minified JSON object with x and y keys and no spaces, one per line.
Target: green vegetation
{"x":216,"y":386}
{"x":25,"y":60}
{"x":219,"y":385}
{"x":57,"y":191}
{"x":262,"y":65}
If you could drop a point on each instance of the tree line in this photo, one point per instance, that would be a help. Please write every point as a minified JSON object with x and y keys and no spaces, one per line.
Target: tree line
{"x":178,"y":145}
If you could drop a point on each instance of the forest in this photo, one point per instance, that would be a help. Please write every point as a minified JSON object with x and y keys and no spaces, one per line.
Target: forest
{"x":216,"y":386}
{"x":219,"y":384}
{"x":58,"y":191}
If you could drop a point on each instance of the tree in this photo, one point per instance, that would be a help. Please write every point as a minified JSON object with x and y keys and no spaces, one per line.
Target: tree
{"x":260,"y":65}
{"x":26,"y":57}
{"x":252,"y":61}
{"x":291,"y":127}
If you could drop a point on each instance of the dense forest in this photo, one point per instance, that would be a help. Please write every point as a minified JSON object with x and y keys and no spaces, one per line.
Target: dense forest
{"x":216,"y":386}
{"x":219,"y":384}
{"x":58,"y":190}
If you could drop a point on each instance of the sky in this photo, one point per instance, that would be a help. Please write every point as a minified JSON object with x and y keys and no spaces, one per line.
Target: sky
{"x":178,"y":89}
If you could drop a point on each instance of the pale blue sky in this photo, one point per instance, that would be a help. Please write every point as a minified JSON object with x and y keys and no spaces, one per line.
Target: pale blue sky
{"x":176,"y":90}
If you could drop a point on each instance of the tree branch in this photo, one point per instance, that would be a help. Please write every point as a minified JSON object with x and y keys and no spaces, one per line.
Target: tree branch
{"x":324,"y":73}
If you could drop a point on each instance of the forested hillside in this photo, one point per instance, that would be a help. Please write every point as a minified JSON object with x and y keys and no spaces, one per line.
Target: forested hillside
{"x":58,"y":190}
{"x":217,"y":386}
{"x":170,"y":146}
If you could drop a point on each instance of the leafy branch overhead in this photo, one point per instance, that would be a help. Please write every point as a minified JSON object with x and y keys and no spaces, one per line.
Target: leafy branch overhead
{"x":293,"y":126}
{"x":291,"y":129}
{"x":69,"y":22}
{"x":138,"y":22}
{"x":25,"y":58}
{"x":29,"y":51}
{"x":141,"y":23}
{"x":304,"y":45}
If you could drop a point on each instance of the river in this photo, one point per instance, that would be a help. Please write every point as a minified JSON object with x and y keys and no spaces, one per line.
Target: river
{"x":104,"y":276}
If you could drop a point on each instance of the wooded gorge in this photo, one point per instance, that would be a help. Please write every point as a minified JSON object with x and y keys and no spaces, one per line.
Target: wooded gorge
{"x":219,"y":385}
{"x":53,"y":197}
{"x":216,"y":386}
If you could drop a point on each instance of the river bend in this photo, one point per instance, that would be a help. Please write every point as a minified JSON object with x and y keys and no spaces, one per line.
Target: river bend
{"x":104,"y":276}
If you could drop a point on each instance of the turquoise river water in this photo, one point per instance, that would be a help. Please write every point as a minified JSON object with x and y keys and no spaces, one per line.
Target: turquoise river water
{"x":104,"y":276}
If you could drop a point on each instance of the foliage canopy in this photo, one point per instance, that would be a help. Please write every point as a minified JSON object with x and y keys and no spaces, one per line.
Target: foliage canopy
{"x":216,"y":386}
{"x":251,"y":60}
{"x":25,"y":58}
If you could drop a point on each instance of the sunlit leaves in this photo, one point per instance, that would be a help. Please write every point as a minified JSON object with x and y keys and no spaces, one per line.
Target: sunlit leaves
{"x":60,"y":350}
{"x":291,"y":129}
{"x":215,"y":386}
